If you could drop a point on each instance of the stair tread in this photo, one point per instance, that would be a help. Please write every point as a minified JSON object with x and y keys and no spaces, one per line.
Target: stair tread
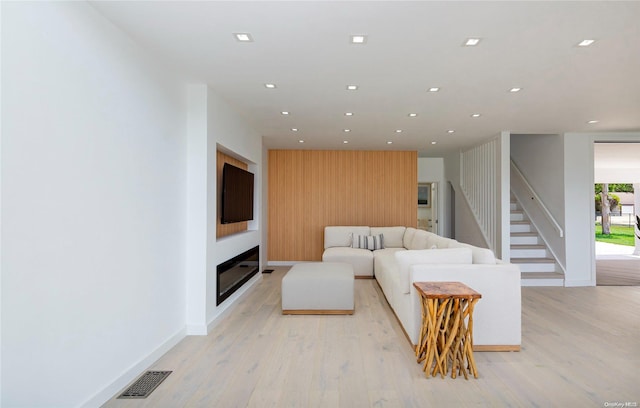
{"x":542,"y":275}
{"x":532,"y":242}
{"x":528,"y":246}
{"x":532,"y":260}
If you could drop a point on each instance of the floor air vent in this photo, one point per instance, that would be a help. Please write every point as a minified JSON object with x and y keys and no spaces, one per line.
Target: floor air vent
{"x":145,"y":384}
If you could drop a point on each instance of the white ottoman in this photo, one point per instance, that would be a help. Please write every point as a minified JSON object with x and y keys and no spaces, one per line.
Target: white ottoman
{"x":318,"y":288}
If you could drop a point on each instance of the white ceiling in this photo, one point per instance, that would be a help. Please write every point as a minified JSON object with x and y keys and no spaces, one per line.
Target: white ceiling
{"x":303,"y":47}
{"x":616,"y":162}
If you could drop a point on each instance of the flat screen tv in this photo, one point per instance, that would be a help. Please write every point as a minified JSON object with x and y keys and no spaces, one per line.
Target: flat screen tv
{"x":237,"y":194}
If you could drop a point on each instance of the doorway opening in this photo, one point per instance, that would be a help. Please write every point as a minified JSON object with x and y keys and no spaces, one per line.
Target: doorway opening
{"x":617,"y":245}
{"x":428,"y":207}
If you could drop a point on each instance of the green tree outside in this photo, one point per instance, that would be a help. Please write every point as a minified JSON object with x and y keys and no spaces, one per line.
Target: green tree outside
{"x":619,"y":188}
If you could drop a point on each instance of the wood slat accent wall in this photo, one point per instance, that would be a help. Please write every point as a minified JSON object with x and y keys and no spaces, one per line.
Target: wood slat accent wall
{"x":222,"y":230}
{"x":310,"y":189}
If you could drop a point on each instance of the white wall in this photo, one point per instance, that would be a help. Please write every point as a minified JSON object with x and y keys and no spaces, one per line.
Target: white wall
{"x":541,"y":159}
{"x":93,"y":207}
{"x":430,"y":169}
{"x":1,"y":263}
{"x":580,"y":211}
{"x":504,"y":200}
{"x":214,"y":125}
{"x":197,"y":211}
{"x":466,"y":227}
{"x":228,"y":131}
{"x":264,"y":248}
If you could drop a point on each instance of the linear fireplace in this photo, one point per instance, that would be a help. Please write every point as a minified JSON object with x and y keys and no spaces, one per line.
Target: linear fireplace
{"x":235,"y":272}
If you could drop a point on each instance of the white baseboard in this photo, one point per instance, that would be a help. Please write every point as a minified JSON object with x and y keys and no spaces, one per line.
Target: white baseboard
{"x":196,"y":330}
{"x":190,"y":329}
{"x":576,"y":283}
{"x":134,"y":371}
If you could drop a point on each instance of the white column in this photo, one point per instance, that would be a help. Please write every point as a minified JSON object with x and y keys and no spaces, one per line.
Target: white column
{"x":636,"y":210}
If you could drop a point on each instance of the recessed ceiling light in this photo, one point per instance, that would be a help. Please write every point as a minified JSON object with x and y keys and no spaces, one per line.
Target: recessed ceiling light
{"x":434,"y":89}
{"x":515,"y":89}
{"x":348,"y":114}
{"x":294,"y":129}
{"x":586,"y":43}
{"x":476,"y":115}
{"x":389,"y":142}
{"x":345,"y":141}
{"x":450,"y":131}
{"x":243,"y":37}
{"x":434,"y":142}
{"x":300,"y":141}
{"x":284,"y":112}
{"x":270,"y":86}
{"x":352,"y":87}
{"x":591,"y":122}
{"x":472,"y":42}
{"x":347,"y":130}
{"x":358,"y":39}
{"x":398,"y":130}
{"x":413,"y":115}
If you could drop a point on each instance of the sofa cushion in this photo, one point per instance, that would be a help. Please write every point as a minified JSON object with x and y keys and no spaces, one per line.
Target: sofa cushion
{"x":483,"y":256}
{"x":420,"y":240}
{"x":446,"y":243}
{"x":409,"y":233}
{"x":406,"y":259}
{"x":392,"y":235}
{"x":384,"y":266}
{"x":371,"y":242}
{"x":341,"y":236}
{"x":432,"y":241}
{"x":360,"y":259}
{"x":435,"y":240}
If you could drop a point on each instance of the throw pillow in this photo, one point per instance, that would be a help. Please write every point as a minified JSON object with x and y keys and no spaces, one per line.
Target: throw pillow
{"x":371,"y":242}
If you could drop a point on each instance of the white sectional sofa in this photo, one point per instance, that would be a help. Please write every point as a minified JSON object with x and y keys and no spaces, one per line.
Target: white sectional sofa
{"x":411,"y":255}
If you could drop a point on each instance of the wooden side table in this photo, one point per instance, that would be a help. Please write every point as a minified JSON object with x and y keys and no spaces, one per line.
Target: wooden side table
{"x":446,"y":335}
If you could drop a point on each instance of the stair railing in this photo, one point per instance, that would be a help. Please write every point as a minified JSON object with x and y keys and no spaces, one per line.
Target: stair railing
{"x":522,"y":189}
{"x":541,"y":218}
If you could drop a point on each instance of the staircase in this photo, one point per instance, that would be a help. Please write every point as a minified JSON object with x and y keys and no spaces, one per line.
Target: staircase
{"x":528,"y":251}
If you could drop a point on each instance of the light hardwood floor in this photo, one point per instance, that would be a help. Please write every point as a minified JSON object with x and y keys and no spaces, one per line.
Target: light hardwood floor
{"x":618,"y":271}
{"x":580,"y":347}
